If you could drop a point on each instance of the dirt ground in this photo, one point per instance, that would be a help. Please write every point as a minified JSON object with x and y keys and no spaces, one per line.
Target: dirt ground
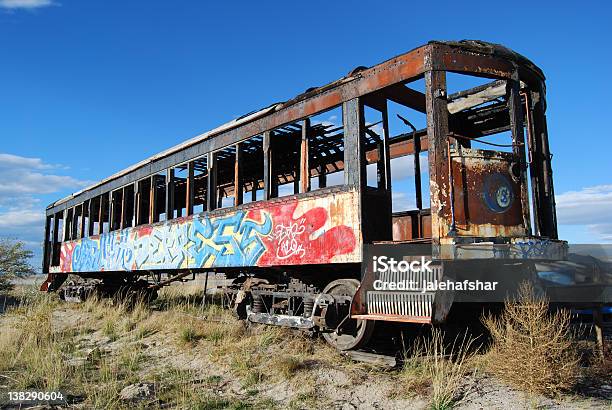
{"x":233,"y":366}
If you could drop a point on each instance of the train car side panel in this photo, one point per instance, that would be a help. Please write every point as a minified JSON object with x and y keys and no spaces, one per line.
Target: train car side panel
{"x":289,"y":231}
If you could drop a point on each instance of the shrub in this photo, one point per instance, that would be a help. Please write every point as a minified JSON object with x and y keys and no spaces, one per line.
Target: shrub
{"x":189,"y":335}
{"x":532,"y":348}
{"x":13,"y":262}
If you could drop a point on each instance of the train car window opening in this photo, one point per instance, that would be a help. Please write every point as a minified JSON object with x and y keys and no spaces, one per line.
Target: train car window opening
{"x":65,"y":233}
{"x":251,"y":168}
{"x":285,"y":145}
{"x":143,"y":201}
{"x":60,"y":228}
{"x":200,"y":184}
{"x":238,"y":187}
{"x":407,"y":127}
{"x":76,"y":225}
{"x":86,"y":219}
{"x":158,"y":200}
{"x":374,"y":140}
{"x":479,"y":112}
{"x":104,"y":217}
{"x":116,"y":209}
{"x":181,"y":176}
{"x":225,"y":169}
{"x":325,"y":148}
{"x":94,"y":208}
{"x":127,"y":218}
{"x":56,"y":241}
{"x":70,"y":226}
{"x":403,"y":191}
{"x":425,"y":180}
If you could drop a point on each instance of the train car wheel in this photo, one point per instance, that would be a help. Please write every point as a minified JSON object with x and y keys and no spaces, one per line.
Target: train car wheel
{"x":352,"y":333}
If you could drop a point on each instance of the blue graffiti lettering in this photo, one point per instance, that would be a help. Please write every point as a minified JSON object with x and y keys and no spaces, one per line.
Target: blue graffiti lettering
{"x":232,"y":240}
{"x":236,"y":241}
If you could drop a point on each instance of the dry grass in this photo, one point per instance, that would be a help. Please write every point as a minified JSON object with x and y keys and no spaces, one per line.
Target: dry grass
{"x":40,"y":352}
{"x":36,"y":353}
{"x":193,"y":353}
{"x":447,"y":367}
{"x":532,"y":348}
{"x":31,"y":352}
{"x":438,"y":369}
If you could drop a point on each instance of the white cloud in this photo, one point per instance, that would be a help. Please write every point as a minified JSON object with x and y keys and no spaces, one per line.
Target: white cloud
{"x":21,"y":218}
{"x":403,"y":201}
{"x":25,"y":4}
{"x":403,"y":167}
{"x":22,"y":181}
{"x":27,"y":182}
{"x":10,"y":160}
{"x":21,"y":177}
{"x":591,"y":207}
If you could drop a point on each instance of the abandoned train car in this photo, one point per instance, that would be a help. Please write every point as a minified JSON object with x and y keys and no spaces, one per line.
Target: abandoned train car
{"x":444,"y":146}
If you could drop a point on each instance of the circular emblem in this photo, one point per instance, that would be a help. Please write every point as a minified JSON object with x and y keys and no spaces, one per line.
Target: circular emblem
{"x":498,"y":194}
{"x":503,"y":197}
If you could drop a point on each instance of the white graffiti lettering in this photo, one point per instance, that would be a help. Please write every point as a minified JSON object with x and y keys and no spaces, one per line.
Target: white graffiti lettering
{"x":288,"y":244}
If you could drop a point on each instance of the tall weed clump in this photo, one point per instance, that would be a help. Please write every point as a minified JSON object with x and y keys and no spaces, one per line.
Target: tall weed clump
{"x":533,"y":348}
{"x":439,"y":367}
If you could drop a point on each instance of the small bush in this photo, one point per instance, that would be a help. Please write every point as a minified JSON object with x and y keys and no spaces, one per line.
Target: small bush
{"x":288,"y":366}
{"x":189,"y":335}
{"x":532,"y":348}
{"x":110,"y":330}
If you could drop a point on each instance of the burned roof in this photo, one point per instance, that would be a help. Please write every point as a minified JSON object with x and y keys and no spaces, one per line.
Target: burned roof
{"x":475,"y":47}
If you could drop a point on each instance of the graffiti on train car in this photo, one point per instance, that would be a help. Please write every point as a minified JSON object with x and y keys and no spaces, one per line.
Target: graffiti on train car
{"x":280,"y":234}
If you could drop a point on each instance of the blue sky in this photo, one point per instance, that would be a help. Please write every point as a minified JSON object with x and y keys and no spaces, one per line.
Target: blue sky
{"x":90,"y":87}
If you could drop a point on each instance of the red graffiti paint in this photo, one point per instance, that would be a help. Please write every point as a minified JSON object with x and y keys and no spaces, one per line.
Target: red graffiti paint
{"x":296,"y":239}
{"x":66,"y":257}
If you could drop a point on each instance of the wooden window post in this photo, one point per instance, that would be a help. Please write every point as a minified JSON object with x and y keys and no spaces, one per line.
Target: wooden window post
{"x":153,"y":217}
{"x":238,"y":182}
{"x":437,"y":132}
{"x":211,"y":164}
{"x":101,"y":215}
{"x":354,"y":154}
{"x":267,"y":165}
{"x":169,"y":193}
{"x":518,"y":143}
{"x":304,"y":158}
{"x":190,"y":188}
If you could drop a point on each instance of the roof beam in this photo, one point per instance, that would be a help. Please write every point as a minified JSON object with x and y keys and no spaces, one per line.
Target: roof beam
{"x":406,"y":96}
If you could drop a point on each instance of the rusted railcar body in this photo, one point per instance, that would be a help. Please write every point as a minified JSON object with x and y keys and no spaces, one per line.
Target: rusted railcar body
{"x":299,"y":252}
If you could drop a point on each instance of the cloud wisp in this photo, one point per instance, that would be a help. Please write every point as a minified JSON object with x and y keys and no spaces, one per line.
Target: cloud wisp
{"x":590,"y":207}
{"x":23,"y":176}
{"x":23,"y":180}
{"x":25,"y":4}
